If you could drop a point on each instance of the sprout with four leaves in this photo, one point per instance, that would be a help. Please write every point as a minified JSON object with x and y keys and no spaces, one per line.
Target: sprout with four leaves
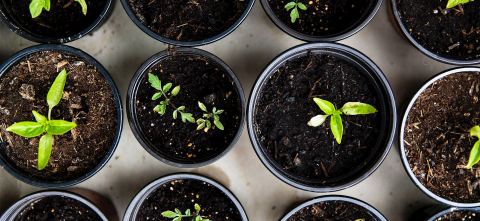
{"x":177,"y":215}
{"x":294,"y":13}
{"x":37,"y":6}
{"x":202,"y":123}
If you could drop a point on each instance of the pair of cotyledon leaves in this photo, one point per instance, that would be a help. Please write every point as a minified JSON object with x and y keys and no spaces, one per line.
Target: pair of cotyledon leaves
{"x":37,"y":6}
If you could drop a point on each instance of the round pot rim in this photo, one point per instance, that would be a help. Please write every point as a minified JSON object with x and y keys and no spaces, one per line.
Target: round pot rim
{"x":118,"y":102}
{"x":20,"y":204}
{"x":206,"y":41}
{"x":401,"y":136}
{"x":24,"y":33}
{"x":312,"y":38}
{"x":139,"y":198}
{"x":132,"y":117}
{"x":335,"y":198}
{"x":444,"y":211}
{"x":424,"y":51}
{"x":287,"y":55}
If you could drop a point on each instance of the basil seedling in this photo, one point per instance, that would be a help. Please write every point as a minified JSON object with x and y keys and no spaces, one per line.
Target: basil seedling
{"x":202,"y":123}
{"x":475,"y":152}
{"x":294,"y":13}
{"x":453,"y":3}
{"x":37,"y":6}
{"x":177,"y":215}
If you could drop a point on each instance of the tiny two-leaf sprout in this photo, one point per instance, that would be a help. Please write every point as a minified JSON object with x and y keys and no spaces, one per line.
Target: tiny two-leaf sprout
{"x":162,"y":107}
{"x":350,"y":108}
{"x":37,"y":6}
{"x":51,"y":127}
{"x":177,"y":215}
{"x":453,"y":3}
{"x":204,"y":122}
{"x":294,"y":13}
{"x":475,"y":152}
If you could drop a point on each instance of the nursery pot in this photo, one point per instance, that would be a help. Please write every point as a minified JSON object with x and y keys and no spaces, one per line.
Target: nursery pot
{"x":139,"y":199}
{"x":141,"y":24}
{"x":359,"y":24}
{"x":402,"y":136}
{"x":15,"y":25}
{"x":386,"y":110}
{"x":435,"y":212}
{"x":372,"y":211}
{"x":133,"y":112}
{"x":28,"y":178}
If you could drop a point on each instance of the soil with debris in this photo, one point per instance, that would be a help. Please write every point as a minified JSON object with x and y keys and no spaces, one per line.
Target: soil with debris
{"x":324,"y":17}
{"x":183,"y":195}
{"x":333,"y":211}
{"x":451,"y":33}
{"x":87,"y":101}
{"x":199,"y":80}
{"x":462,"y":215}
{"x":285,"y":106}
{"x":64,"y":19}
{"x":59,"y":208}
{"x":437,"y":141}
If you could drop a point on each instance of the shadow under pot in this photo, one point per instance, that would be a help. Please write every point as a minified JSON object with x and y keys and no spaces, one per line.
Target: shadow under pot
{"x":435,"y":141}
{"x":65,"y":21}
{"x":434,"y":213}
{"x":187,"y":23}
{"x":89,"y":100}
{"x":186,"y":109}
{"x":328,"y":207}
{"x":200,"y":195}
{"x":315,"y":21}
{"x":283,"y":105}
{"x":448,"y":35}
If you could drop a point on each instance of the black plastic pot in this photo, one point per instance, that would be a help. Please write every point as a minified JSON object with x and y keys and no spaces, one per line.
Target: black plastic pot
{"x":137,"y":201}
{"x":387,"y":111}
{"x":378,"y":216}
{"x":132,"y":113}
{"x":18,"y":29}
{"x":25,"y":177}
{"x":444,"y":59}
{"x":434,"y":212}
{"x":157,"y":36}
{"x":354,"y":28}
{"x":401,"y":135}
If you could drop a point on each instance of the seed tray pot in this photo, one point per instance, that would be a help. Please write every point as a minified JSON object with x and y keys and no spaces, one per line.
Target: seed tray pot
{"x":437,"y":213}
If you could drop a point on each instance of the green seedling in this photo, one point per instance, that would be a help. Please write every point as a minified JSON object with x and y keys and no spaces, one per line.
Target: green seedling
{"x":37,"y":6}
{"x":205,"y":122}
{"x":350,"y":108}
{"x":177,"y":215}
{"x":474,"y":153}
{"x":453,"y":3}
{"x":294,"y":13}
{"x":51,"y":127}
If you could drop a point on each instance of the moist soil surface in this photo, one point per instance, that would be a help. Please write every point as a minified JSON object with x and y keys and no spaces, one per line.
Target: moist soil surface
{"x":199,"y":80}
{"x":285,"y":106}
{"x":323,"y":17}
{"x":58,"y":208}
{"x":462,"y":215}
{"x":332,"y":211}
{"x":183,"y":195}
{"x":87,"y":101}
{"x":437,"y":141}
{"x":188,"y":20}
{"x":446,"y":32}
{"x":64,"y":19}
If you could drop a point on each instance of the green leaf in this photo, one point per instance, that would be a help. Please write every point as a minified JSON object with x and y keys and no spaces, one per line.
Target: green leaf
{"x":216,"y":117}
{"x":178,"y":211}
{"x":178,"y":219}
{"x":187,"y":116}
{"x":294,"y":15}
{"x":202,"y":106}
{"x":59,"y":127}
{"x":206,"y":115}
{"x":208,"y":124}
{"x":301,"y":6}
{"x":475,"y":131}
{"x":453,"y":3}
{"x":175,"y":90}
{"x":317,"y":120}
{"x":27,"y":129}
{"x":290,"y":5}
{"x":200,"y":120}
{"x":167,"y":87}
{"x":169,"y":214}
{"x":181,"y":108}
{"x":198,"y":218}
{"x":154,"y":81}
{"x":39,"y":118}
{"x":163,"y":109}
{"x":218,"y":124}
{"x":197,"y":207}
{"x":157,"y":108}
{"x":175,"y":114}
{"x":156,"y":96}
{"x":47,"y":5}
{"x":337,"y":127}
{"x":55,"y":93}
{"x":36,"y":7}
{"x":219,"y":112}
{"x":474,"y":155}
{"x":201,"y":126}
{"x":326,"y":106}
{"x":214,"y":110}
{"x":356,"y":108}
{"x":206,"y":220}
{"x":44,"y":150}
{"x":188,"y":213}
{"x":84,"y":6}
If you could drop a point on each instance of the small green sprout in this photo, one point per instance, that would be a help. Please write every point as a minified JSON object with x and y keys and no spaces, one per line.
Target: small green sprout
{"x":295,"y":5}
{"x":162,"y":107}
{"x":350,"y":108}
{"x":474,"y":153}
{"x":453,"y":3}
{"x":37,"y":6}
{"x":202,"y":123}
{"x":177,"y":215}
{"x":52,"y":127}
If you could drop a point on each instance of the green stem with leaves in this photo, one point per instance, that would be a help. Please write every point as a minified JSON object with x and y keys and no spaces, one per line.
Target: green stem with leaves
{"x":294,"y":13}
{"x":177,"y":215}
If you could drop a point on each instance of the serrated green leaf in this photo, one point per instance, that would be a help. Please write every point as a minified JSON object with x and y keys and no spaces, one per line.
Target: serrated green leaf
{"x":56,"y":90}
{"x":294,"y":15}
{"x":290,"y":5}
{"x":156,"y":96}
{"x":202,"y":106}
{"x":337,"y":127}
{"x":39,"y":118}
{"x":356,"y":108}
{"x":317,"y":120}
{"x":169,"y":214}
{"x":453,"y":3}
{"x":474,"y":155}
{"x":59,"y":127}
{"x":188,"y":213}
{"x":175,"y":114}
{"x":188,"y":116}
{"x":325,"y":106}
{"x":36,"y":7}
{"x":27,"y":129}
{"x":84,"y":6}
{"x":154,"y":81}
{"x":218,"y":124}
{"x":175,"y":90}
{"x":475,"y":131}
{"x":167,"y":87}
{"x":219,"y":112}
{"x":181,"y":108}
{"x":44,"y":150}
{"x":301,"y":6}
{"x":197,"y":207}
{"x":47,"y":5}
{"x":201,"y":126}
{"x":208,"y":124}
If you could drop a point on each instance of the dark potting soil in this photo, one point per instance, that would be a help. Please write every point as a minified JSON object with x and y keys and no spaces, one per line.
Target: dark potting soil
{"x":188,"y":20}
{"x":183,"y":195}
{"x":462,"y":215}
{"x":286,"y":105}
{"x":323,"y":17}
{"x":64,"y":19}
{"x":437,"y":141}
{"x":199,"y":80}
{"x":445,"y":32}
{"x":87,"y":101}
{"x":332,"y":211}
{"x":58,"y":208}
